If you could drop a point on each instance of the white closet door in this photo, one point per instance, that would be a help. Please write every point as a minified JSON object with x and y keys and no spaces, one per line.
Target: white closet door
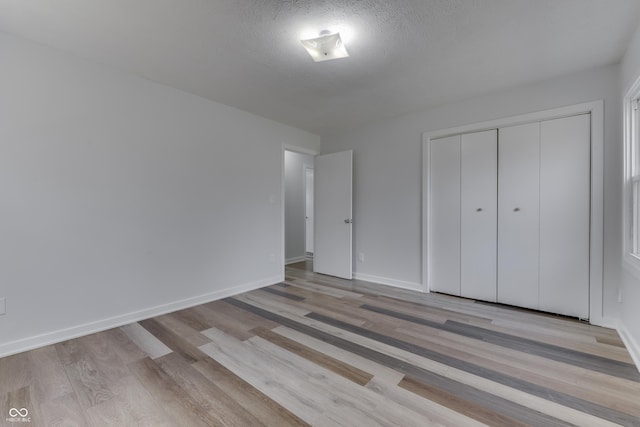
{"x":564,"y":215}
{"x":444,"y":211}
{"x":478,"y":222}
{"x":518,"y":214}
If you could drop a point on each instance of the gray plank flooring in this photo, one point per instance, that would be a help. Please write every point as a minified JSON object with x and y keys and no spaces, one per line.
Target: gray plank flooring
{"x":317,"y":350}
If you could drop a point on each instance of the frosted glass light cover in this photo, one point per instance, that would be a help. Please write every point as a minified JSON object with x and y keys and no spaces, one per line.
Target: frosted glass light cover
{"x":325,"y":47}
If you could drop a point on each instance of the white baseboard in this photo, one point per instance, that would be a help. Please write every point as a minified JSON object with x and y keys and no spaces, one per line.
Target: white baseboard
{"x":54,"y":337}
{"x":294,"y":260}
{"x":630,"y":343}
{"x":389,"y":282}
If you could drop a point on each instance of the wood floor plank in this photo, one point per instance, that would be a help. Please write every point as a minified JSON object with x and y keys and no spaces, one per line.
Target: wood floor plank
{"x":434,"y":314}
{"x":125,"y":347}
{"x":315,"y":293}
{"x":570,"y":380}
{"x":87,"y":381}
{"x":132,"y":405}
{"x":325,"y":290}
{"x":433,"y":413}
{"x":586,"y":343}
{"x":501,"y":405}
{"x":247,"y":320}
{"x":104,"y":357}
{"x":344,"y":308}
{"x":349,"y":372}
{"x":206,"y":394}
{"x":254,"y":372}
{"x":269,"y":304}
{"x":50,"y":379}
{"x":179,"y":406}
{"x":516,"y":383}
{"x":324,"y":351}
{"x":145,"y":340}
{"x":15,"y":372}
{"x":172,"y":340}
{"x":380,"y":372}
{"x":329,"y":334}
{"x":593,"y":343}
{"x":249,"y":397}
{"x":282,"y":294}
{"x":340,"y":400}
{"x":463,"y":406}
{"x":511,"y":394}
{"x":457,"y":304}
{"x":20,"y":401}
{"x":589,"y":361}
{"x":63,"y":410}
{"x":183,"y":330}
{"x":221,"y":315}
{"x":615,"y":341}
{"x":191,"y":318}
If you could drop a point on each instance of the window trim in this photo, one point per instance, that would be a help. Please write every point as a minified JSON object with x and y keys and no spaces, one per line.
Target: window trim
{"x":631,"y":127}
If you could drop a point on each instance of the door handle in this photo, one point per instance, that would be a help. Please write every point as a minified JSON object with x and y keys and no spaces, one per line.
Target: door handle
{"x":348,"y":221}
{"x":516,"y":210}
{"x":479,"y":210}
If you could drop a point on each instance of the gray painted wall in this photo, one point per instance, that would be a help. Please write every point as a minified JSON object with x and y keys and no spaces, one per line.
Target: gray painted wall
{"x":123,"y":198}
{"x":388,"y":170}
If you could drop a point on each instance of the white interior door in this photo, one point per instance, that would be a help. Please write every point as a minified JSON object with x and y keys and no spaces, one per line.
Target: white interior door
{"x":333,"y":177}
{"x":565,"y":172}
{"x":519,"y":215}
{"x":444,"y":215}
{"x":309,"y":210}
{"x":478,"y":215}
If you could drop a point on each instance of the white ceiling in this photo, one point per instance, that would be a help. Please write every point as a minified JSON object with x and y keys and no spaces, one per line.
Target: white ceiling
{"x":406,"y":55}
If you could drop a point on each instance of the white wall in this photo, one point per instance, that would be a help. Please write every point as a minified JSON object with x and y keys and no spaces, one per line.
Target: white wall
{"x":122,"y":198}
{"x":295,"y":204}
{"x":387,"y":173}
{"x":630,"y":316}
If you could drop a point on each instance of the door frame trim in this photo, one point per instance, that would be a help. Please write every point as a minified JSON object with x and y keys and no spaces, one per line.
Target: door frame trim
{"x":295,"y":149}
{"x":596,"y":243}
{"x":305,"y":170}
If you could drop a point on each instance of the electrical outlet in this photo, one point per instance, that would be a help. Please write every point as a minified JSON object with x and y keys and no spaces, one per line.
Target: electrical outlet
{"x":361,"y":257}
{"x":3,"y":306}
{"x":272,"y":257}
{"x":619,"y":295}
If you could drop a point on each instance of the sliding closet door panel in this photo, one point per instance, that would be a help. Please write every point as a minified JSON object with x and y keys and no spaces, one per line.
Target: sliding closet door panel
{"x":444,"y":209}
{"x":564,"y":215}
{"x":478,"y":215}
{"x":518,"y":214}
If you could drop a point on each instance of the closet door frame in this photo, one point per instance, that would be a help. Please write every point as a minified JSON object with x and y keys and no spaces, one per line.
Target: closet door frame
{"x":596,"y":249}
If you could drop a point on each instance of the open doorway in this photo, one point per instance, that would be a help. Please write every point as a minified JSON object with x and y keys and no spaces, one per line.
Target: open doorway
{"x":298,"y":206}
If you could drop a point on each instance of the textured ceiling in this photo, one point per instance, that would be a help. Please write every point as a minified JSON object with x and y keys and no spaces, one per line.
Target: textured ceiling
{"x":406,"y":55}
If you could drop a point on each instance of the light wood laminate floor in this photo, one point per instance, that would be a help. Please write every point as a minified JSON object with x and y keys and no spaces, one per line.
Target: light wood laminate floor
{"x":317,"y":350}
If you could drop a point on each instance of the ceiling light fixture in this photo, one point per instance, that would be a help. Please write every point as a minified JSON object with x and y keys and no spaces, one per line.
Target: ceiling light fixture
{"x":327,"y":46}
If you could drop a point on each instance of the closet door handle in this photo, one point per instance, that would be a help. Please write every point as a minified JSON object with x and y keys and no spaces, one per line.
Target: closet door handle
{"x":479,"y":210}
{"x":516,"y":210}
